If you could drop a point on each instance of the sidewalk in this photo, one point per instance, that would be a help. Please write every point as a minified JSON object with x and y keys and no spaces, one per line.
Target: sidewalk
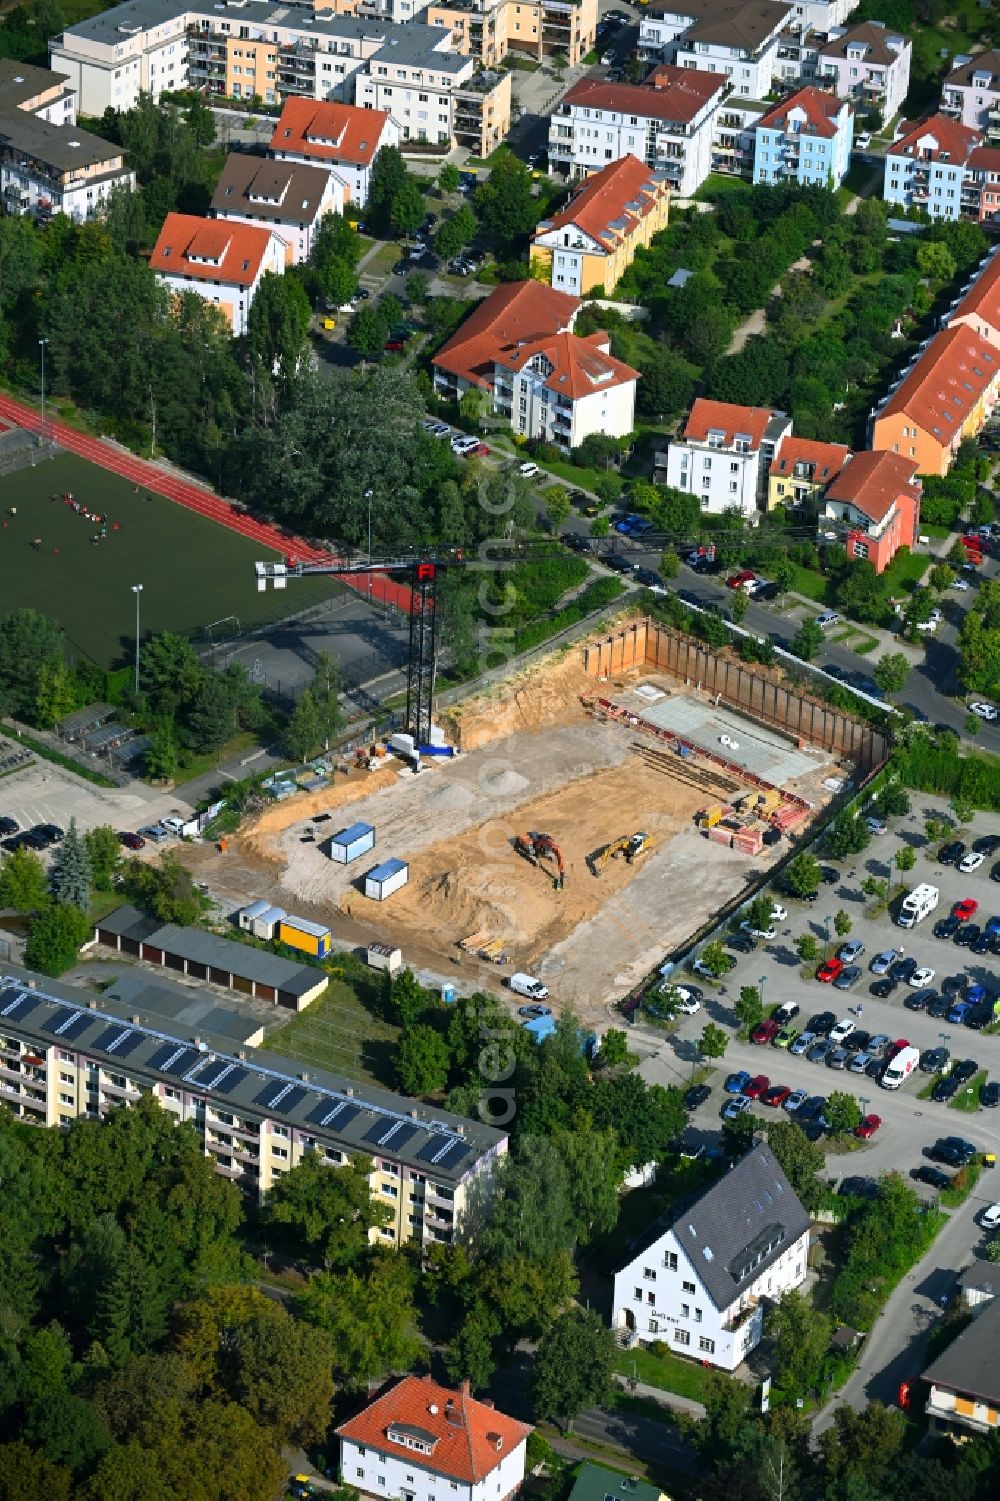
{"x":671,"y":1400}
{"x":886,"y":640}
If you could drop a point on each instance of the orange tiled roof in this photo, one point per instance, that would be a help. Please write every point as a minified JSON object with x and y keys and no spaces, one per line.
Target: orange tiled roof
{"x":945,"y":383}
{"x":221,"y":250}
{"x":819,"y":108}
{"x":982,"y":300}
{"x":579,"y":366}
{"x":519,"y":313}
{"x":953,"y":141}
{"x":329,"y":132}
{"x":984,"y":159}
{"x":873,"y":482}
{"x":469,"y":1439}
{"x":697,"y":82}
{"x":676,"y":104}
{"x":827,"y":459}
{"x":728,"y":418}
{"x":610,"y":204}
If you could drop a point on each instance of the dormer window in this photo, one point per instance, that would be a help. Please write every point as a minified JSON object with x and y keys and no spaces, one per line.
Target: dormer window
{"x":420,"y":1440}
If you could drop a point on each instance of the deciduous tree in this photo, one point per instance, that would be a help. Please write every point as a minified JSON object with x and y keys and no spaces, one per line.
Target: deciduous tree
{"x":800,"y":1159}
{"x":713,"y":1041}
{"x":422,"y":1061}
{"x":842,"y":1112}
{"x":573,"y":1366}
{"x":330,"y":1212}
{"x":55,"y":939}
{"x":801,"y":1335}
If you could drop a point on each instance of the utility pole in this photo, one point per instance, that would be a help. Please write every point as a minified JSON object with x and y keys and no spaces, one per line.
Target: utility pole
{"x":41,"y":344}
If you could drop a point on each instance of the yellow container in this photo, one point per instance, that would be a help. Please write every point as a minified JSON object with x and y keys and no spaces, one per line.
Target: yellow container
{"x":329,"y":323}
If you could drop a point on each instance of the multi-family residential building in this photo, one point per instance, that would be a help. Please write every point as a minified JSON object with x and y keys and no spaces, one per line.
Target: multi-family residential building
{"x":139,"y":47}
{"x":37,"y":91}
{"x":595,"y":1483}
{"x":971,"y":93}
{"x":946,"y":394}
{"x":738,"y":39}
{"x":222,"y":261}
{"x":925,"y":167}
{"x":339,"y":138}
{"x":548,"y":382}
{"x":66,"y":1054}
{"x":703,"y":1284}
{"x":801,"y":470}
{"x":735,"y":136}
{"x":420,"y":1441}
{"x":490,"y":29}
{"x":964,"y":1380}
{"x":876,"y":499}
{"x":288,"y":197}
{"x":868,"y":64}
{"x":806,"y":138}
{"x":981,"y":188}
{"x":978,"y":306}
{"x":724,"y":454}
{"x":668,"y":123}
{"x":435,"y":95}
{"x":591,"y":242}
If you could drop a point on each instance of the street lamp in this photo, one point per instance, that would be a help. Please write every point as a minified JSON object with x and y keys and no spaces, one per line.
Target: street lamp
{"x":945,"y":1038}
{"x":41,"y":344}
{"x":136,"y":590}
{"x":760,"y":982}
{"x":368,"y":497}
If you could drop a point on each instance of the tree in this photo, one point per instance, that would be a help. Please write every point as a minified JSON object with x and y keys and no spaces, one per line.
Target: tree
{"x":614,"y":1050}
{"x":505,"y":203}
{"x":371,"y":1320}
{"x":325,"y":691}
{"x":843,"y":1112}
{"x":469,"y":1356}
{"x":278,"y":324}
{"x":407,"y":209}
{"x":670,"y":564}
{"x":71,"y":874}
{"x":456,"y":233}
{"x":806,"y":947}
{"x":387,"y":178}
{"x":163,"y":756}
{"x":936,"y":262}
{"x":329,"y":1212}
{"x":848,"y":835}
{"x":104,"y":853}
{"x":715,"y":958}
{"x":532,"y":1207}
{"x":713,"y":1041}
{"x":422,"y":1061}
{"x":750,"y":1008}
{"x":905,"y":857}
{"x":55,"y":694}
{"x":802,"y":876}
{"x":842,"y":923}
{"x":891,"y":672}
{"x":418,"y":286}
{"x":667,"y":384}
{"x":212,"y":718}
{"x":165,"y":890}
{"x":29,"y":641}
{"x":55,"y":939}
{"x":304,"y":731}
{"x":171,"y":674}
{"x":557,"y":507}
{"x":573,"y":1366}
{"x":801,"y":1337}
{"x":807,"y":640}
{"x":941,"y":577}
{"x":449,"y":178}
{"x":800,"y":1159}
{"x":367,"y":330}
{"x":861,"y":592}
{"x":23,"y":882}
{"x":740,"y":605}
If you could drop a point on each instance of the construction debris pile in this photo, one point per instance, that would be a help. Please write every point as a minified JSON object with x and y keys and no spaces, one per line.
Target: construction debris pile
{"x":758,"y":819}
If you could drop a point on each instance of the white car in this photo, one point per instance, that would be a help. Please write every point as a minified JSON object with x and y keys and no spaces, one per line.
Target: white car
{"x":970,"y":862}
{"x":990,"y":1219}
{"x":767,"y":934}
{"x":463,"y":444}
{"x":173,"y":824}
{"x":962,"y":584}
{"x":687,"y":1002}
{"x":921,"y":977}
{"x":778,"y":912}
{"x":528,"y":470}
{"x":842,"y":1030}
{"x":983,"y":711}
{"x":863,"y":141}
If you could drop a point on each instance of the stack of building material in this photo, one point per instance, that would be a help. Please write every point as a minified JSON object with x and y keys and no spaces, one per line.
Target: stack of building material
{"x":790,"y":816}
{"x":768,"y":802}
{"x":748,"y":841}
{"x":721,"y":835}
{"x":713,"y":813}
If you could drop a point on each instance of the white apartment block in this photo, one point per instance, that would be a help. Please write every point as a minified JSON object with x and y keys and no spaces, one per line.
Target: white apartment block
{"x":65,"y":1055}
{"x":223,"y":261}
{"x":927,"y":165}
{"x":739,"y":41}
{"x":971,"y":94}
{"x":868,"y":64}
{"x":702,"y":1286}
{"x":725,"y":453}
{"x":436,"y":95}
{"x":339,"y":138}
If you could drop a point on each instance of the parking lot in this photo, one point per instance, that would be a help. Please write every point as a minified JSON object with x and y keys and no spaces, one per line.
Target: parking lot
{"x":42,"y":793}
{"x":910,"y":1125}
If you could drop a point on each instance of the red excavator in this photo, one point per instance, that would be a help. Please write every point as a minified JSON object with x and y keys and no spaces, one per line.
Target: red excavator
{"x":537,"y":847}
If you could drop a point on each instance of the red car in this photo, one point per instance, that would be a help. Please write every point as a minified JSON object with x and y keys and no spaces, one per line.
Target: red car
{"x":776,"y":1095}
{"x":829,"y":971}
{"x":737,"y":580}
{"x":764,"y":1033}
{"x":480,"y":451}
{"x":394,"y":346}
{"x":965,"y":909}
{"x":867,"y":1127}
{"x":754,"y":1088}
{"x":898,"y":1046}
{"x":132,"y":841}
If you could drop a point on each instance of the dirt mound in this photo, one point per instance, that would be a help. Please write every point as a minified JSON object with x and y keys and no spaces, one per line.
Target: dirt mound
{"x":547,"y":693}
{"x":258,"y":836}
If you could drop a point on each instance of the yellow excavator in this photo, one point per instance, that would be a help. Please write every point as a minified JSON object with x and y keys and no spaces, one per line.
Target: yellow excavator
{"x":629,"y":845}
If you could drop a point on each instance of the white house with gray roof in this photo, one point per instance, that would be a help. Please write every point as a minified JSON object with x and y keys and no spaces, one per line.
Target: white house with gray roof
{"x":702,"y":1285}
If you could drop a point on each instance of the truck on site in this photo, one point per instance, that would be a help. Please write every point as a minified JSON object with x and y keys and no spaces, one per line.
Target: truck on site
{"x":900,"y":1067}
{"x":920,"y":903}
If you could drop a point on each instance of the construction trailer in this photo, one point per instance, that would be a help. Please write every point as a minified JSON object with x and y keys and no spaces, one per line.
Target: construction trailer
{"x":310,"y":937}
{"x":382,"y":880}
{"x":350,"y":844}
{"x":246,"y":916}
{"x":266,"y":924}
{"x":384,"y":956}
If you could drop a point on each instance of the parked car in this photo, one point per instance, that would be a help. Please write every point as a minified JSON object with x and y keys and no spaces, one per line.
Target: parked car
{"x":967,"y":936}
{"x":528,"y":470}
{"x":736,"y":1082}
{"x":858,"y":1064}
{"x":881,"y":962}
{"x":945,"y":1089}
{"x":970,"y":862}
{"x":921,"y":977}
{"x":756,"y":1086}
{"x":989,"y":1095}
{"x":920,"y":999}
{"x":951,"y":853}
{"x":795,"y":1099}
{"x":8,"y":825}
{"x":776,"y":1095}
{"x":867,"y":1126}
{"x":932,"y":1176}
{"x":765,"y":1033}
{"x":851,"y":950}
{"x":696,"y":1095}
{"x":131,"y":841}
{"x":965,"y":1070}
{"x":842,"y":1030}
{"x":933,"y":1060}
{"x":823,"y":1024}
{"x":883,"y":988}
{"x":829,"y":970}
{"x":802,"y":1044}
{"x":785,"y":1037}
{"x":983,"y":711}
{"x":735,"y":1108}
{"x":966,"y":908}
{"x":849,"y":975}
{"x":819,"y":1050}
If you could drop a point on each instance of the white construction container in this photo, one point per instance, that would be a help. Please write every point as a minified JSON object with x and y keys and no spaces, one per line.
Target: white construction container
{"x":351,"y":843}
{"x":267,"y":923}
{"x":248,"y":915}
{"x":384,"y":956}
{"x":382,"y":880}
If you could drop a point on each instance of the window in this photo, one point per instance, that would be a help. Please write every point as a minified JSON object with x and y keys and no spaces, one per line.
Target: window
{"x":360,"y":1472}
{"x":681,"y":1337}
{"x":279,"y":1152}
{"x":697,"y":1315}
{"x":649,"y":1274}
{"x":685,"y":1310}
{"x":708,"y":1345}
{"x":688,"y":1287}
{"x":638,"y":1295}
{"x":362,"y":1450}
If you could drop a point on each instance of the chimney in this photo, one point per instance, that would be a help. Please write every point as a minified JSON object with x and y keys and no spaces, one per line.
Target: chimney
{"x":304,"y":1078}
{"x":465,"y":1388}
{"x":135,"y":1020}
{"x":349,"y":1091}
{"x":92,"y":1005}
{"x":486,"y":1402}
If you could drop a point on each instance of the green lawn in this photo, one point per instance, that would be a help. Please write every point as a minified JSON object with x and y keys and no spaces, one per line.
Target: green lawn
{"x":931,"y":529}
{"x":340,"y":1031}
{"x":194,"y":572}
{"x":905,"y":568}
{"x":968,"y":1096}
{"x":669,"y":1372}
{"x":718,"y":185}
{"x":963,"y":1182}
{"x":813,"y":585}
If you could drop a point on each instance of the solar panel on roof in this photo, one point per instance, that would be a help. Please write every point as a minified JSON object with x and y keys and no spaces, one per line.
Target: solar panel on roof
{"x":293,"y":1096}
{"x":335,"y":1114}
{"x":163,"y":1055}
{"x":58,"y":1020}
{"x":430,"y":1149}
{"x":229,"y":1080}
{"x":454,"y":1155}
{"x":128,"y":1044}
{"x":272,"y":1089}
{"x":280,"y":1092}
{"x":181,"y":1062}
{"x":22,"y":1008}
{"x":209,"y":1076}
{"x":12,"y":998}
{"x":390,"y":1133}
{"x":77,"y":1023}
{"x":108,"y":1038}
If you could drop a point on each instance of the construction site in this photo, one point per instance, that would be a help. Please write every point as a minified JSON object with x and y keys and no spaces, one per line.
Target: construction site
{"x":590,"y":822}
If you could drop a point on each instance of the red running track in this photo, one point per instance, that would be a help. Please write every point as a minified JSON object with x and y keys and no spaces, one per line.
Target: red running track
{"x":195,"y":498}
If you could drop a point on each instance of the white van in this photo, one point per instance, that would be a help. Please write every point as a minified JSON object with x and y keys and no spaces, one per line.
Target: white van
{"x":529,"y":986}
{"x":900,"y":1067}
{"x":920,"y":903}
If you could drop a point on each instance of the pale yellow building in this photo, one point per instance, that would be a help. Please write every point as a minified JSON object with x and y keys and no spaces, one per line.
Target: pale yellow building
{"x":590,"y":244}
{"x":488,"y":29}
{"x":802,"y":469}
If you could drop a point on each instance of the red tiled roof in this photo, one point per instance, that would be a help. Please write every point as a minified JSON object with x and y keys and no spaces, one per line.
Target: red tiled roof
{"x":469,"y":1439}
{"x":224,"y":250}
{"x":985,"y":159}
{"x":727,"y":418}
{"x":819,"y":108}
{"x":696,"y":81}
{"x":620,"y":194}
{"x":954,"y":141}
{"x":521,"y":312}
{"x":946,"y":382}
{"x":579,"y":366}
{"x":827,"y":459}
{"x":329,"y":132}
{"x":677,"y":104}
{"x":982,"y":300}
{"x":873,"y":482}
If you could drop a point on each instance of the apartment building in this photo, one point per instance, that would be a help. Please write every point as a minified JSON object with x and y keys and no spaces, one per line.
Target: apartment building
{"x":420,"y":1441}
{"x":488,"y":29}
{"x":139,"y":47}
{"x":964,"y":1381}
{"x":876,"y":499}
{"x":548,"y":382}
{"x":868,"y":64}
{"x":36,"y":91}
{"x":287,"y":197}
{"x":734,"y":141}
{"x":801,"y":471}
{"x":224,"y":262}
{"x":945,"y":394}
{"x":926,"y":165}
{"x":807,"y":138}
{"x":738,"y":39}
{"x":971,"y":94}
{"x":668,"y":123}
{"x":66,"y":1054}
{"x":978,"y":306}
{"x":338,"y":138}
{"x":435,"y":95}
{"x":725,"y":453}
{"x":703,"y":1284}
{"x":981,"y":188}
{"x":592,"y":241}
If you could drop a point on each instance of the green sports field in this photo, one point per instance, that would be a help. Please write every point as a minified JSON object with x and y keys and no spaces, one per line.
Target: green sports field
{"x":193,"y":571}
